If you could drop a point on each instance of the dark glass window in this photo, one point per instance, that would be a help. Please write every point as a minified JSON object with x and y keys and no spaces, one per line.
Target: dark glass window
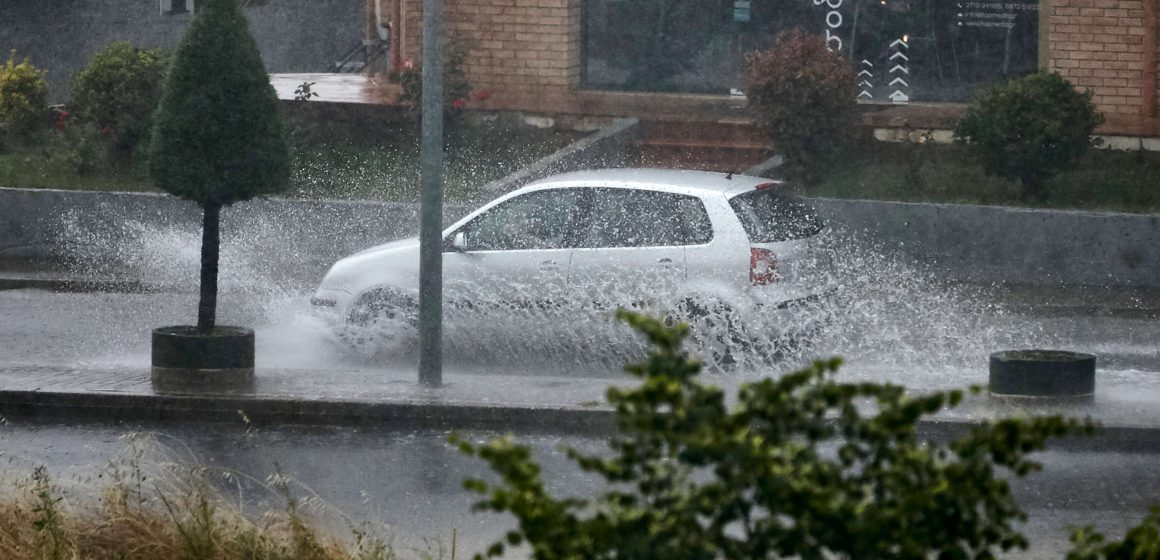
{"x":769,"y":217}
{"x":536,"y":220}
{"x":948,"y":48}
{"x":641,"y":218}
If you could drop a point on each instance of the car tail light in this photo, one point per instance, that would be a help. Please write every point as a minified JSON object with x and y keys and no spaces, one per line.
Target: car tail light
{"x":762,"y":266}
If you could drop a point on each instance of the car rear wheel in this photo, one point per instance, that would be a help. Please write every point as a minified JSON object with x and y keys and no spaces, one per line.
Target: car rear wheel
{"x":715,"y":331}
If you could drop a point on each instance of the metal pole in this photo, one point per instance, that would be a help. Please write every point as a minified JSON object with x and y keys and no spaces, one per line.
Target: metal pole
{"x":431,"y":200}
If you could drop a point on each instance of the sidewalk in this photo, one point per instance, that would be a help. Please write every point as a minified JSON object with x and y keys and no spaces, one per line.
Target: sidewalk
{"x":332,"y":397}
{"x":394,"y":400}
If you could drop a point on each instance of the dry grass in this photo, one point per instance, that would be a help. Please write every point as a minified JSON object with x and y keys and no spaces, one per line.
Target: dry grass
{"x":163,"y":511}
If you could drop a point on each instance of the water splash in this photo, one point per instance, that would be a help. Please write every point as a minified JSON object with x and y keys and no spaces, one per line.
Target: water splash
{"x":892,"y":319}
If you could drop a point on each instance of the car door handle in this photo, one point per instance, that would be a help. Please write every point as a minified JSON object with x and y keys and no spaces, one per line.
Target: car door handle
{"x":665,"y":262}
{"x":549,"y":265}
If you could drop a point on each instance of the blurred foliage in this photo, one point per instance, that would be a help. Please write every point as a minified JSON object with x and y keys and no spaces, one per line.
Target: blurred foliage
{"x":1141,"y":542}
{"x":1030,"y":129}
{"x":23,"y":98}
{"x":117,"y":93}
{"x":802,"y":466}
{"x":804,"y":97}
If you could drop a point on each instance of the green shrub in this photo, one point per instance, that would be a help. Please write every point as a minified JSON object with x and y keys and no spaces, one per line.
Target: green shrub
{"x":804,"y":96}
{"x":86,"y":150}
{"x":23,"y":97}
{"x":118,"y":92}
{"x":801,"y":467}
{"x":218,"y":137}
{"x":456,"y":89}
{"x":1030,"y":129}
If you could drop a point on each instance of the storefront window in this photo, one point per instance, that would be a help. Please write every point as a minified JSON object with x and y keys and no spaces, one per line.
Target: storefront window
{"x":905,"y":50}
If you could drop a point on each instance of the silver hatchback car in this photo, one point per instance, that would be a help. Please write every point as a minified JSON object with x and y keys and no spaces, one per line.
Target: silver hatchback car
{"x":688,"y":243}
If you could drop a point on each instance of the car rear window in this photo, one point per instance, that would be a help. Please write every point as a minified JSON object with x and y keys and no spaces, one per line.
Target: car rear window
{"x":643,"y":218}
{"x":770,"y":217}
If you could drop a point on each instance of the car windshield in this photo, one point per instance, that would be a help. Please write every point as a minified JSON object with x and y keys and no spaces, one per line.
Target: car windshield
{"x":770,"y":217}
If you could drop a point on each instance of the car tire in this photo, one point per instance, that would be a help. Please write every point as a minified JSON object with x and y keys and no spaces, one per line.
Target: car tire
{"x":379,"y":317}
{"x":381,"y":305}
{"x":715,"y":331}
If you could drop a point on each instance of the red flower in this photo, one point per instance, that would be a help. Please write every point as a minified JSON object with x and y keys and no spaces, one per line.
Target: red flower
{"x":61,"y":117}
{"x":481,"y":95}
{"x":459,"y":103}
{"x":408,"y":64}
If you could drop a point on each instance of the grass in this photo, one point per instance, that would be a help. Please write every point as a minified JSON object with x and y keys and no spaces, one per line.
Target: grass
{"x":164,"y":511}
{"x":386,"y":169}
{"x":1106,"y":180}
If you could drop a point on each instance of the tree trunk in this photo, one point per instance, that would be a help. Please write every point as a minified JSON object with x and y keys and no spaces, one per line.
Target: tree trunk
{"x":210,"y":245}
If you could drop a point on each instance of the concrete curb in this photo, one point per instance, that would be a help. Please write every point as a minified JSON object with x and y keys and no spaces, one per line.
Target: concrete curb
{"x":219,"y":408}
{"x":73,"y":285}
{"x":54,"y":407}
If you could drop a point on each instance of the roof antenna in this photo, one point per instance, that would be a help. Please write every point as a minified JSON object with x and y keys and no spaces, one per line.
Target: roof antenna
{"x":729,"y":176}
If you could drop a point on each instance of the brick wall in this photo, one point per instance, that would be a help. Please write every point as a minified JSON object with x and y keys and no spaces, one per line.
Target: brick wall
{"x":1099,"y":45}
{"x":525,"y":53}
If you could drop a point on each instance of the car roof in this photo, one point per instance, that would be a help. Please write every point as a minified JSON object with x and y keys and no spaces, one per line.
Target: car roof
{"x":671,"y":180}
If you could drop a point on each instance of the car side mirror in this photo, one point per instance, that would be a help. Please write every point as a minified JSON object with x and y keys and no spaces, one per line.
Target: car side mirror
{"x":458,"y":242}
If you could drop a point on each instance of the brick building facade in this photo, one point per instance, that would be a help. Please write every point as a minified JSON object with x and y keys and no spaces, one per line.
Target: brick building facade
{"x":1110,"y":48}
{"x":525,"y":52}
{"x":529,"y":55}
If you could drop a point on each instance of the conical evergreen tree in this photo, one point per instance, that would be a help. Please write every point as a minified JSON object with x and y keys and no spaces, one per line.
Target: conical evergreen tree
{"x":218,"y":137}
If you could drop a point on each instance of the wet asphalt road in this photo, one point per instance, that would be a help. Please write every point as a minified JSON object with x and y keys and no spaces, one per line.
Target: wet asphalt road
{"x":926,"y":339}
{"x":408,"y":484}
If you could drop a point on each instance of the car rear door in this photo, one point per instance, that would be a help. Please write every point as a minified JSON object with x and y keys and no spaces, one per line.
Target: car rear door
{"x":629,"y":249}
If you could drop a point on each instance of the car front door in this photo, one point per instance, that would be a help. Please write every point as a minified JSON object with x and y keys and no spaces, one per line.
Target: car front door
{"x":515,"y":255}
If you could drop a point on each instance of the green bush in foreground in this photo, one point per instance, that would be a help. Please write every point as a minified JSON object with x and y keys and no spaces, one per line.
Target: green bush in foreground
{"x":23,"y":97}
{"x":117,"y":93}
{"x":1030,"y":129}
{"x":802,"y":467}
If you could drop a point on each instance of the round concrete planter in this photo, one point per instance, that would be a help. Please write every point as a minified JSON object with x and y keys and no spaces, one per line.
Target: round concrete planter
{"x":183,"y":359}
{"x":1043,"y":373}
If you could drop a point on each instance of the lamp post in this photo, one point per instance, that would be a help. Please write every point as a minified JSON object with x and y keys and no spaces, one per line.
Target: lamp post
{"x":431,"y":200}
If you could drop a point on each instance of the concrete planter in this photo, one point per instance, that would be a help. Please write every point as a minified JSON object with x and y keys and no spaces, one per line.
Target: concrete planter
{"x":1042,"y":373}
{"x":184,"y":360}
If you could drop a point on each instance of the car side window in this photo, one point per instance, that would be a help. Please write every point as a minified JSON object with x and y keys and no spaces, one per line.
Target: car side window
{"x":642,"y":218}
{"x":536,"y":220}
